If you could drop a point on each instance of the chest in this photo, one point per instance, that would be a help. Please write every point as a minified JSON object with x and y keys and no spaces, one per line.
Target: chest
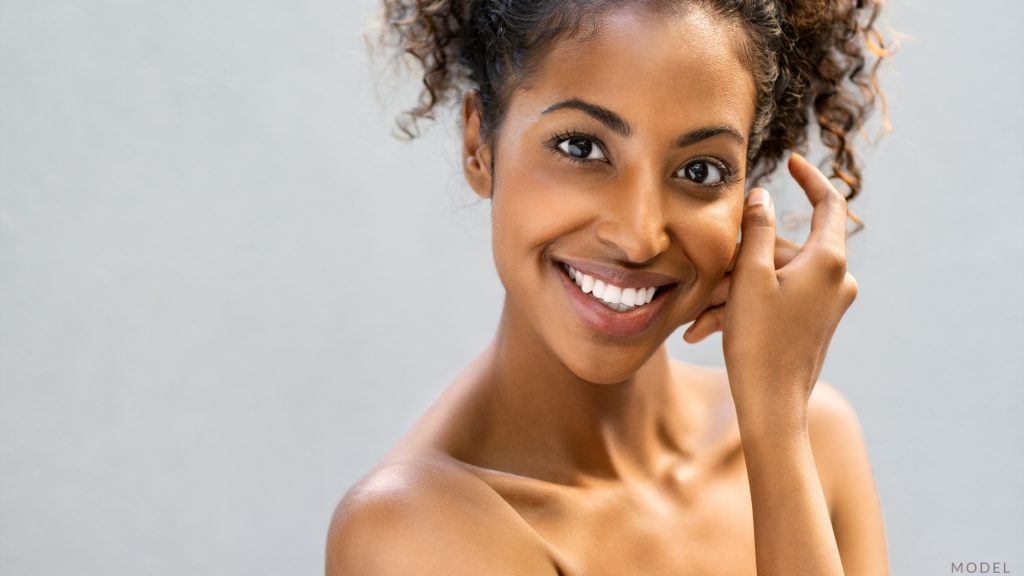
{"x":700,"y":525}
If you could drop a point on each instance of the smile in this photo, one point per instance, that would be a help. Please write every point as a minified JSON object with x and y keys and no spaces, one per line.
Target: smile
{"x":612,"y":301}
{"x":612,"y":296}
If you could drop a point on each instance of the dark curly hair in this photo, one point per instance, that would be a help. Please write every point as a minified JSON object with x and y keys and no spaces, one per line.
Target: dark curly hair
{"x":806,"y":57}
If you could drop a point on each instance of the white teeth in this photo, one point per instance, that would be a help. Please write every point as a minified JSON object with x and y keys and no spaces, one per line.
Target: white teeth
{"x":629,"y":296}
{"x":588,"y":284}
{"x":612,"y":296}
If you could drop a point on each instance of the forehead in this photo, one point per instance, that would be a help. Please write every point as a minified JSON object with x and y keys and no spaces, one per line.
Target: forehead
{"x":648,"y":65}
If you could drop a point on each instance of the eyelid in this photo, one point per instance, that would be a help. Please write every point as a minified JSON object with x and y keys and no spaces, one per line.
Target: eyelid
{"x":729,"y":175}
{"x":560,"y":137}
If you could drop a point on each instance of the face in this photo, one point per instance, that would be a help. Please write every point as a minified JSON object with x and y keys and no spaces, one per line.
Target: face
{"x":623,"y":156}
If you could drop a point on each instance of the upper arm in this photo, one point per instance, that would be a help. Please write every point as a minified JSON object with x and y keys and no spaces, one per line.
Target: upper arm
{"x":411,"y":519}
{"x":842,"y":461}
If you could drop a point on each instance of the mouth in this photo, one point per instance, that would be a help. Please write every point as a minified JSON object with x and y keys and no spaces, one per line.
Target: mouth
{"x":611,"y":308}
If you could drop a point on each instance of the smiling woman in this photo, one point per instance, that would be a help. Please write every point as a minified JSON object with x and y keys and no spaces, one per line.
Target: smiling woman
{"x":617,"y":142}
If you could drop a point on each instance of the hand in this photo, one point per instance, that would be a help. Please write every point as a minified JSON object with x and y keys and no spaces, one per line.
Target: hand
{"x":781,"y":302}
{"x":709,"y":320}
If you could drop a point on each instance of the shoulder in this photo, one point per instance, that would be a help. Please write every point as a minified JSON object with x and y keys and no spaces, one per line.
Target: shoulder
{"x":833,"y":426}
{"x":844,"y":468}
{"x":840,"y":454}
{"x":429,"y":517}
{"x":831,"y":413}
{"x":832,"y":420}
{"x":836,"y":438}
{"x":710,"y":384}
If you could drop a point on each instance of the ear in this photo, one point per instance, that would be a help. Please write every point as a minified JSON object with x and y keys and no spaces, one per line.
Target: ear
{"x":476,"y":154}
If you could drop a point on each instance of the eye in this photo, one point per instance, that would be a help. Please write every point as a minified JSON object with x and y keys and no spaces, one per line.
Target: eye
{"x":580,"y":149}
{"x":704,"y":172}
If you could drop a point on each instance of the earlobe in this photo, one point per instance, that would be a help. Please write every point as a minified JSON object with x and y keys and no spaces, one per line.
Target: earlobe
{"x":476,"y":153}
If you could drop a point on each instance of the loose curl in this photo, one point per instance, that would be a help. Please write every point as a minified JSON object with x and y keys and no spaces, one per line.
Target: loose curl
{"x":807,"y":57}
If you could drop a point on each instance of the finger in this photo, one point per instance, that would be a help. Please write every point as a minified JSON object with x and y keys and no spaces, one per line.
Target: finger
{"x":757,"y":247}
{"x":720,"y":292}
{"x":828,"y":223}
{"x":709,"y":322}
{"x":785,"y":250}
{"x":732,"y":261}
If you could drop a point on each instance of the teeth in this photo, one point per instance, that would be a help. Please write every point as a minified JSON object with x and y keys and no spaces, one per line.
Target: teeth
{"x":588,"y":284}
{"x":614,"y":297}
{"x":629,"y":296}
{"x":612,"y":294}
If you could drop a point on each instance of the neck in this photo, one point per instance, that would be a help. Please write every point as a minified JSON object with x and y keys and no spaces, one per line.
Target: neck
{"x":543,"y":421}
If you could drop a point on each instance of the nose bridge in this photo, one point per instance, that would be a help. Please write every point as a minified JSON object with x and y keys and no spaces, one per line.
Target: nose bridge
{"x":634,"y":219}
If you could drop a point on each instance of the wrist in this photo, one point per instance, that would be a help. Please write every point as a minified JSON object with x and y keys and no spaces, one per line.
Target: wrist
{"x":772,"y":419}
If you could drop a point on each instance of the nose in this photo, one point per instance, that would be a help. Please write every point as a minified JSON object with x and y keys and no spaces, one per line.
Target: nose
{"x":634,"y":221}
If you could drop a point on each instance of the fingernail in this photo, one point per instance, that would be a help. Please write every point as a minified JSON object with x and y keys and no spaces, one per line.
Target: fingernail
{"x":758,"y":196}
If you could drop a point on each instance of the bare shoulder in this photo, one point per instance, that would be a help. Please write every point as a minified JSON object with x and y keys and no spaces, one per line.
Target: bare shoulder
{"x":711,"y":382}
{"x":833,"y":425}
{"x":835,"y":434}
{"x":837,"y":442}
{"x":429,"y":517}
{"x":832,"y":421}
{"x":844,"y":468}
{"x":831,"y":410}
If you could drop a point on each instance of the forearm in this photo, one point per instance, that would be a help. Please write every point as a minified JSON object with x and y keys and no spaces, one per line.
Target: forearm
{"x":792,"y":531}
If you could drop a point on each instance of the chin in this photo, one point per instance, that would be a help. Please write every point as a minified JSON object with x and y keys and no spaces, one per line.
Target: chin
{"x":604,"y":362}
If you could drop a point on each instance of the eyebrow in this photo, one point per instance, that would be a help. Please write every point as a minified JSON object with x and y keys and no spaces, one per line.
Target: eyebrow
{"x":616,"y":124}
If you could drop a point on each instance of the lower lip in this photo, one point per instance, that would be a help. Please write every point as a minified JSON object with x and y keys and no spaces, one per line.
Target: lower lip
{"x":607,"y":321}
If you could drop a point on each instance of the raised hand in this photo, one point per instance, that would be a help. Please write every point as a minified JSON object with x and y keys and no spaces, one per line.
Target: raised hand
{"x":782,"y":302}
{"x":710,"y":318}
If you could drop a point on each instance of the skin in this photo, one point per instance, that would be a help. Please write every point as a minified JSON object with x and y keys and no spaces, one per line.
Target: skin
{"x":559,"y":450}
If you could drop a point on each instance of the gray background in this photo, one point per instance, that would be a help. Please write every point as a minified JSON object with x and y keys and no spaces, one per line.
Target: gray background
{"x":226,"y":290}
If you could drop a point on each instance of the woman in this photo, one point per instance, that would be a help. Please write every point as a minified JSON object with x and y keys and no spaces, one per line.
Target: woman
{"x":616,"y":141}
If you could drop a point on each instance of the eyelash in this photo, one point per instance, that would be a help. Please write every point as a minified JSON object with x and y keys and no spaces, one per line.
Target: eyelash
{"x":729,"y":176}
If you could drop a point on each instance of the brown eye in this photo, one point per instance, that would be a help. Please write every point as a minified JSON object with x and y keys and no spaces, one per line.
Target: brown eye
{"x":703,"y":172}
{"x":580,"y":148}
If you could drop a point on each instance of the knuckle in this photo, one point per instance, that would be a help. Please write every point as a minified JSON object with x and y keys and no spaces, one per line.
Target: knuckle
{"x":833,"y":262}
{"x":850,"y":286}
{"x":761,"y":218}
{"x":838,"y":199}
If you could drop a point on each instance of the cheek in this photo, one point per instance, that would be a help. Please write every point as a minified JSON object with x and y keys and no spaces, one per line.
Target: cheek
{"x":709,"y":236}
{"x":534,"y":205}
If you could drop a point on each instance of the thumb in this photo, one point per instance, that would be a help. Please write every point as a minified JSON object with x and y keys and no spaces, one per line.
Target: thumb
{"x":757,"y":247}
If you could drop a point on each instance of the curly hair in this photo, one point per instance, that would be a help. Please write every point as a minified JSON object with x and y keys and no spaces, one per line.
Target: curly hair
{"x":806,"y":57}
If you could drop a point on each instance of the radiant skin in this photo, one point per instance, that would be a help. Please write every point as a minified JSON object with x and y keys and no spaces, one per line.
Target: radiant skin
{"x":569,"y":447}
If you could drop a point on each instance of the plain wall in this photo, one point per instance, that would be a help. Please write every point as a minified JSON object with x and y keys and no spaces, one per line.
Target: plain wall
{"x":226,"y":289}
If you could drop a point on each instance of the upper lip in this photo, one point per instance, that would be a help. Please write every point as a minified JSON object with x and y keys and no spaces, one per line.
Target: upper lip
{"x":619,"y":276}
